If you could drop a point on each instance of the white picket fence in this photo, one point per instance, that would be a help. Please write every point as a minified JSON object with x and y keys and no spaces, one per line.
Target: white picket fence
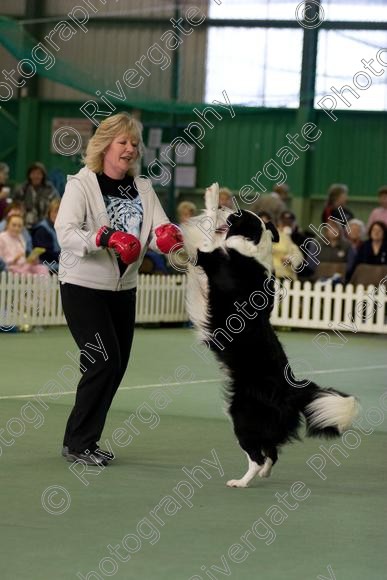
{"x":322,"y":306}
{"x":35,"y":300}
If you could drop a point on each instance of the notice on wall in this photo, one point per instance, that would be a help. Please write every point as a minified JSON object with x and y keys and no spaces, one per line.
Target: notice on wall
{"x":185,"y":176}
{"x":154,"y":138}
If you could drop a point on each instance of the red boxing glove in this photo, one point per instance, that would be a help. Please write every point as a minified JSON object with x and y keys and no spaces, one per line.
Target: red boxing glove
{"x":168,"y":237}
{"x":127,"y":246}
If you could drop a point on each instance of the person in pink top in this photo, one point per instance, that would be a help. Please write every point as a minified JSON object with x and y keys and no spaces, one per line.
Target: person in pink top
{"x":13,"y":248}
{"x":379,"y":214}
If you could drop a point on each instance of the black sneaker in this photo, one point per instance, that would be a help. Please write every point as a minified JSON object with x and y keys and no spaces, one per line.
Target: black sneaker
{"x":104,"y":454}
{"x":85,"y":457}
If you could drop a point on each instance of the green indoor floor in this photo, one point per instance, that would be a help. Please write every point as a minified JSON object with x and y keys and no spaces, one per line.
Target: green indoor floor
{"x":59,"y":523}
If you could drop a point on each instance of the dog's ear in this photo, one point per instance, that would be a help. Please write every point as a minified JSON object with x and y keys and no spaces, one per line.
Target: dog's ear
{"x":274,"y":232}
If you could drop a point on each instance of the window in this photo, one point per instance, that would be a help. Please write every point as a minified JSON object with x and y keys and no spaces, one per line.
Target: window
{"x":355,"y":10}
{"x":339,"y":59}
{"x":262,"y":66}
{"x":256,"y":66}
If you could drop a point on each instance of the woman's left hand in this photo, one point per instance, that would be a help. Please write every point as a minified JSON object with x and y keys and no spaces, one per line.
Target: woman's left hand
{"x":168,"y":237}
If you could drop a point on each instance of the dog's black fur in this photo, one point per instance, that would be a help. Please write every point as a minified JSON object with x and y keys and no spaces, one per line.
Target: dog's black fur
{"x":265,"y":408}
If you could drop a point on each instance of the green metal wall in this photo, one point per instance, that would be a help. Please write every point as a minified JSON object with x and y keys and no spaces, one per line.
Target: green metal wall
{"x":352,"y":150}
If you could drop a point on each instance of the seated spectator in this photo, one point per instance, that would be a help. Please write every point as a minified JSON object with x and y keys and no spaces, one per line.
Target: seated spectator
{"x":17,"y":208}
{"x":44,"y":236}
{"x":283,"y":191}
{"x":288,"y":219}
{"x":178,"y":261}
{"x":225,"y":198}
{"x":154,"y":263}
{"x":338,"y":247}
{"x":287,"y":256}
{"x":13,"y":249}
{"x":58,"y":180}
{"x":36,"y":193}
{"x":266,"y":217}
{"x":185,"y":210}
{"x":4,"y":190}
{"x":356,"y":237}
{"x":379,"y":214}
{"x":374,"y":250}
{"x":270,"y":203}
{"x":337,"y":197}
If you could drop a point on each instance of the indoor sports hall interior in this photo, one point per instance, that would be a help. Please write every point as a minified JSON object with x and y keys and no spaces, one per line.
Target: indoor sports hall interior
{"x":283,"y":103}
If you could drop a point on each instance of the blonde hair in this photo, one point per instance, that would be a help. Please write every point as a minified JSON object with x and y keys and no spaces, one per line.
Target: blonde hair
{"x":225,"y":191}
{"x":14,"y":214}
{"x":53,"y":205}
{"x":109,"y":129}
{"x":186,"y":205}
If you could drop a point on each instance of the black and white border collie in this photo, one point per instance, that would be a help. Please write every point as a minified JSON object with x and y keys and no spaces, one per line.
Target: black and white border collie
{"x":230,"y":263}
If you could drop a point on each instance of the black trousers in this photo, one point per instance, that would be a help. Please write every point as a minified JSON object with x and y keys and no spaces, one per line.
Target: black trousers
{"x":102,"y":324}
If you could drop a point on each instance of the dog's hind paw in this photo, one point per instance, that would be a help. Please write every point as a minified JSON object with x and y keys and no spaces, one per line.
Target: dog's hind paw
{"x":236,"y":483}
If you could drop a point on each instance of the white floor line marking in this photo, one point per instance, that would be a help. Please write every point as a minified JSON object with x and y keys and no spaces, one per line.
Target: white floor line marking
{"x":150,"y":386}
{"x":219,"y":380}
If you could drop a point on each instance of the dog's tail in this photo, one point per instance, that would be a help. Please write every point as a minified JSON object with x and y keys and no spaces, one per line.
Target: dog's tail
{"x":329,"y":413}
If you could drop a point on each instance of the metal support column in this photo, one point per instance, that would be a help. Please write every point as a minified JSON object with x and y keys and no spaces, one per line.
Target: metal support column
{"x":306,"y":112}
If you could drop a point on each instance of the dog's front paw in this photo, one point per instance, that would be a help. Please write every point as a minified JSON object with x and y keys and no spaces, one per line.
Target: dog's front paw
{"x":212,"y":197}
{"x":266,"y":469}
{"x":236,"y":483}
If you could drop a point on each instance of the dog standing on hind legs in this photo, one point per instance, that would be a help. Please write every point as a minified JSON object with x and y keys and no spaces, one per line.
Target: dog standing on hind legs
{"x":231,"y":272}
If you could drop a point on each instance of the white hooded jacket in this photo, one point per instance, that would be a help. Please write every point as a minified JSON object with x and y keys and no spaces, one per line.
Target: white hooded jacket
{"x":82,"y":213}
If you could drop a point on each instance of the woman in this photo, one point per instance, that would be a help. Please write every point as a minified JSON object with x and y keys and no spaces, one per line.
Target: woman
{"x":374,"y":250}
{"x":337,"y":198}
{"x":338,"y":246}
{"x":13,"y":248}
{"x":107,"y":218}
{"x":36,"y":194}
{"x":356,"y":237}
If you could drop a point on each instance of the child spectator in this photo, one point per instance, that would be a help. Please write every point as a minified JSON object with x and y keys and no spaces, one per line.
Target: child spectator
{"x":13,"y":248}
{"x":44,"y":236}
{"x":288,"y":220}
{"x":17,"y":208}
{"x":379,"y":214}
{"x":185,"y":210}
{"x":287,"y":256}
{"x":178,"y":261}
{"x":225,"y":198}
{"x":36,"y":194}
